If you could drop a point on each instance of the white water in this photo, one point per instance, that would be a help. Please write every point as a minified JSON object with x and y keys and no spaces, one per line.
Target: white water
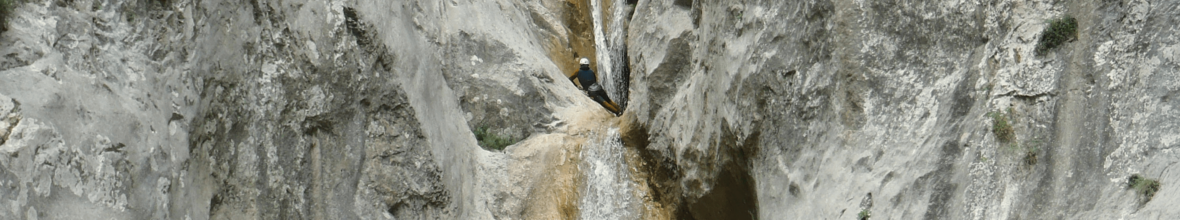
{"x":608,"y":191}
{"x":610,"y":47}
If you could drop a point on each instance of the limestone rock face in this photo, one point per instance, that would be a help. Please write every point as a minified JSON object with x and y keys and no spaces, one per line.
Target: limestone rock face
{"x":280,"y":109}
{"x":813,"y":109}
{"x":96,"y":110}
{"x":834,"y":106}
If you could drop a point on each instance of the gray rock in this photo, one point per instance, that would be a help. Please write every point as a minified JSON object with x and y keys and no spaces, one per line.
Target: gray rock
{"x":8,"y":116}
{"x":774,"y":110}
{"x":279,"y":110}
{"x":825,"y":101}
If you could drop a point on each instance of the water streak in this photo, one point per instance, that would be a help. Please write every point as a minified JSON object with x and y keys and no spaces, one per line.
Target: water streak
{"x":608,"y":191}
{"x":611,"y":48}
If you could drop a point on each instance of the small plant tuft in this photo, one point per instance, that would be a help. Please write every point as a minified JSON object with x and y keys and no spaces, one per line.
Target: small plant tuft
{"x":1058,"y":32}
{"x":1030,"y":157}
{"x":491,"y":141}
{"x":863,"y":215}
{"x":1144,"y":186}
{"x":1001,"y":127}
{"x":1030,"y":152}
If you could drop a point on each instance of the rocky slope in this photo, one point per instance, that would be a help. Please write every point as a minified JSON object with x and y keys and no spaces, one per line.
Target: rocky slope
{"x":834,"y":107}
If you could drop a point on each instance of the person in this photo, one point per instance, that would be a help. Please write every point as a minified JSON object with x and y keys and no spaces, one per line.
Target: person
{"x":589,"y":84}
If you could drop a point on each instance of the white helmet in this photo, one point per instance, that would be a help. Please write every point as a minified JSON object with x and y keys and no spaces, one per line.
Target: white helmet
{"x":584,"y":61}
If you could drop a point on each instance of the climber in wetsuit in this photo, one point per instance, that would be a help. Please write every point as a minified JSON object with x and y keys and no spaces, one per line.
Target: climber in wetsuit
{"x":590,"y":85}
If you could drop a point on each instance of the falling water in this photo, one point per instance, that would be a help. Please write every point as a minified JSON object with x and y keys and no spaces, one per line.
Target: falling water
{"x":611,"y":48}
{"x":608,"y":191}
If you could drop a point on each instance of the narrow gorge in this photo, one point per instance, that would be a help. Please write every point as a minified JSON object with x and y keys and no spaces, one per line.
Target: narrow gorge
{"x":462,"y":109}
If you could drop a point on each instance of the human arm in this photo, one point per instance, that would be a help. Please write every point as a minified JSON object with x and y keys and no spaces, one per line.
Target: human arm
{"x":573,"y":78}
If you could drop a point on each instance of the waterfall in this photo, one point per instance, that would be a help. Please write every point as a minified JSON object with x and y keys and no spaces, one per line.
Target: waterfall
{"x":608,"y":191}
{"x":611,"y":49}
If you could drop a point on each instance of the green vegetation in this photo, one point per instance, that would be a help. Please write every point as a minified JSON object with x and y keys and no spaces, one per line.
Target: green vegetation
{"x":1030,"y":156}
{"x":1144,"y":186}
{"x":1058,"y":32}
{"x":492,"y":141}
{"x":6,"y":6}
{"x":1030,"y":151}
{"x":863,"y":215}
{"x":6,"y":9}
{"x":1002,"y":127}
{"x":1006,"y":135}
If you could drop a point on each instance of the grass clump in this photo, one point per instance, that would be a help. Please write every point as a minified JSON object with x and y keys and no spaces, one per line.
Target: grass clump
{"x":864,"y":215}
{"x":1146,"y":188}
{"x":1002,"y":127}
{"x":1058,"y":32}
{"x":492,"y":141}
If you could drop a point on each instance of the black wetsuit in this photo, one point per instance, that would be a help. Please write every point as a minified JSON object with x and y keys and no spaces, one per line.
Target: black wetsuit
{"x":585,"y":76}
{"x":590,"y":84}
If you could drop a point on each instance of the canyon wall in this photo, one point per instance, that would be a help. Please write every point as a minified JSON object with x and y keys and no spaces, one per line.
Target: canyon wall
{"x":893,"y":107}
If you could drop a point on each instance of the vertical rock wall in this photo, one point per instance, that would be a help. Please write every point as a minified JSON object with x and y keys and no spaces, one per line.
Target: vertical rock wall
{"x":97,"y":104}
{"x":884,"y":105}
